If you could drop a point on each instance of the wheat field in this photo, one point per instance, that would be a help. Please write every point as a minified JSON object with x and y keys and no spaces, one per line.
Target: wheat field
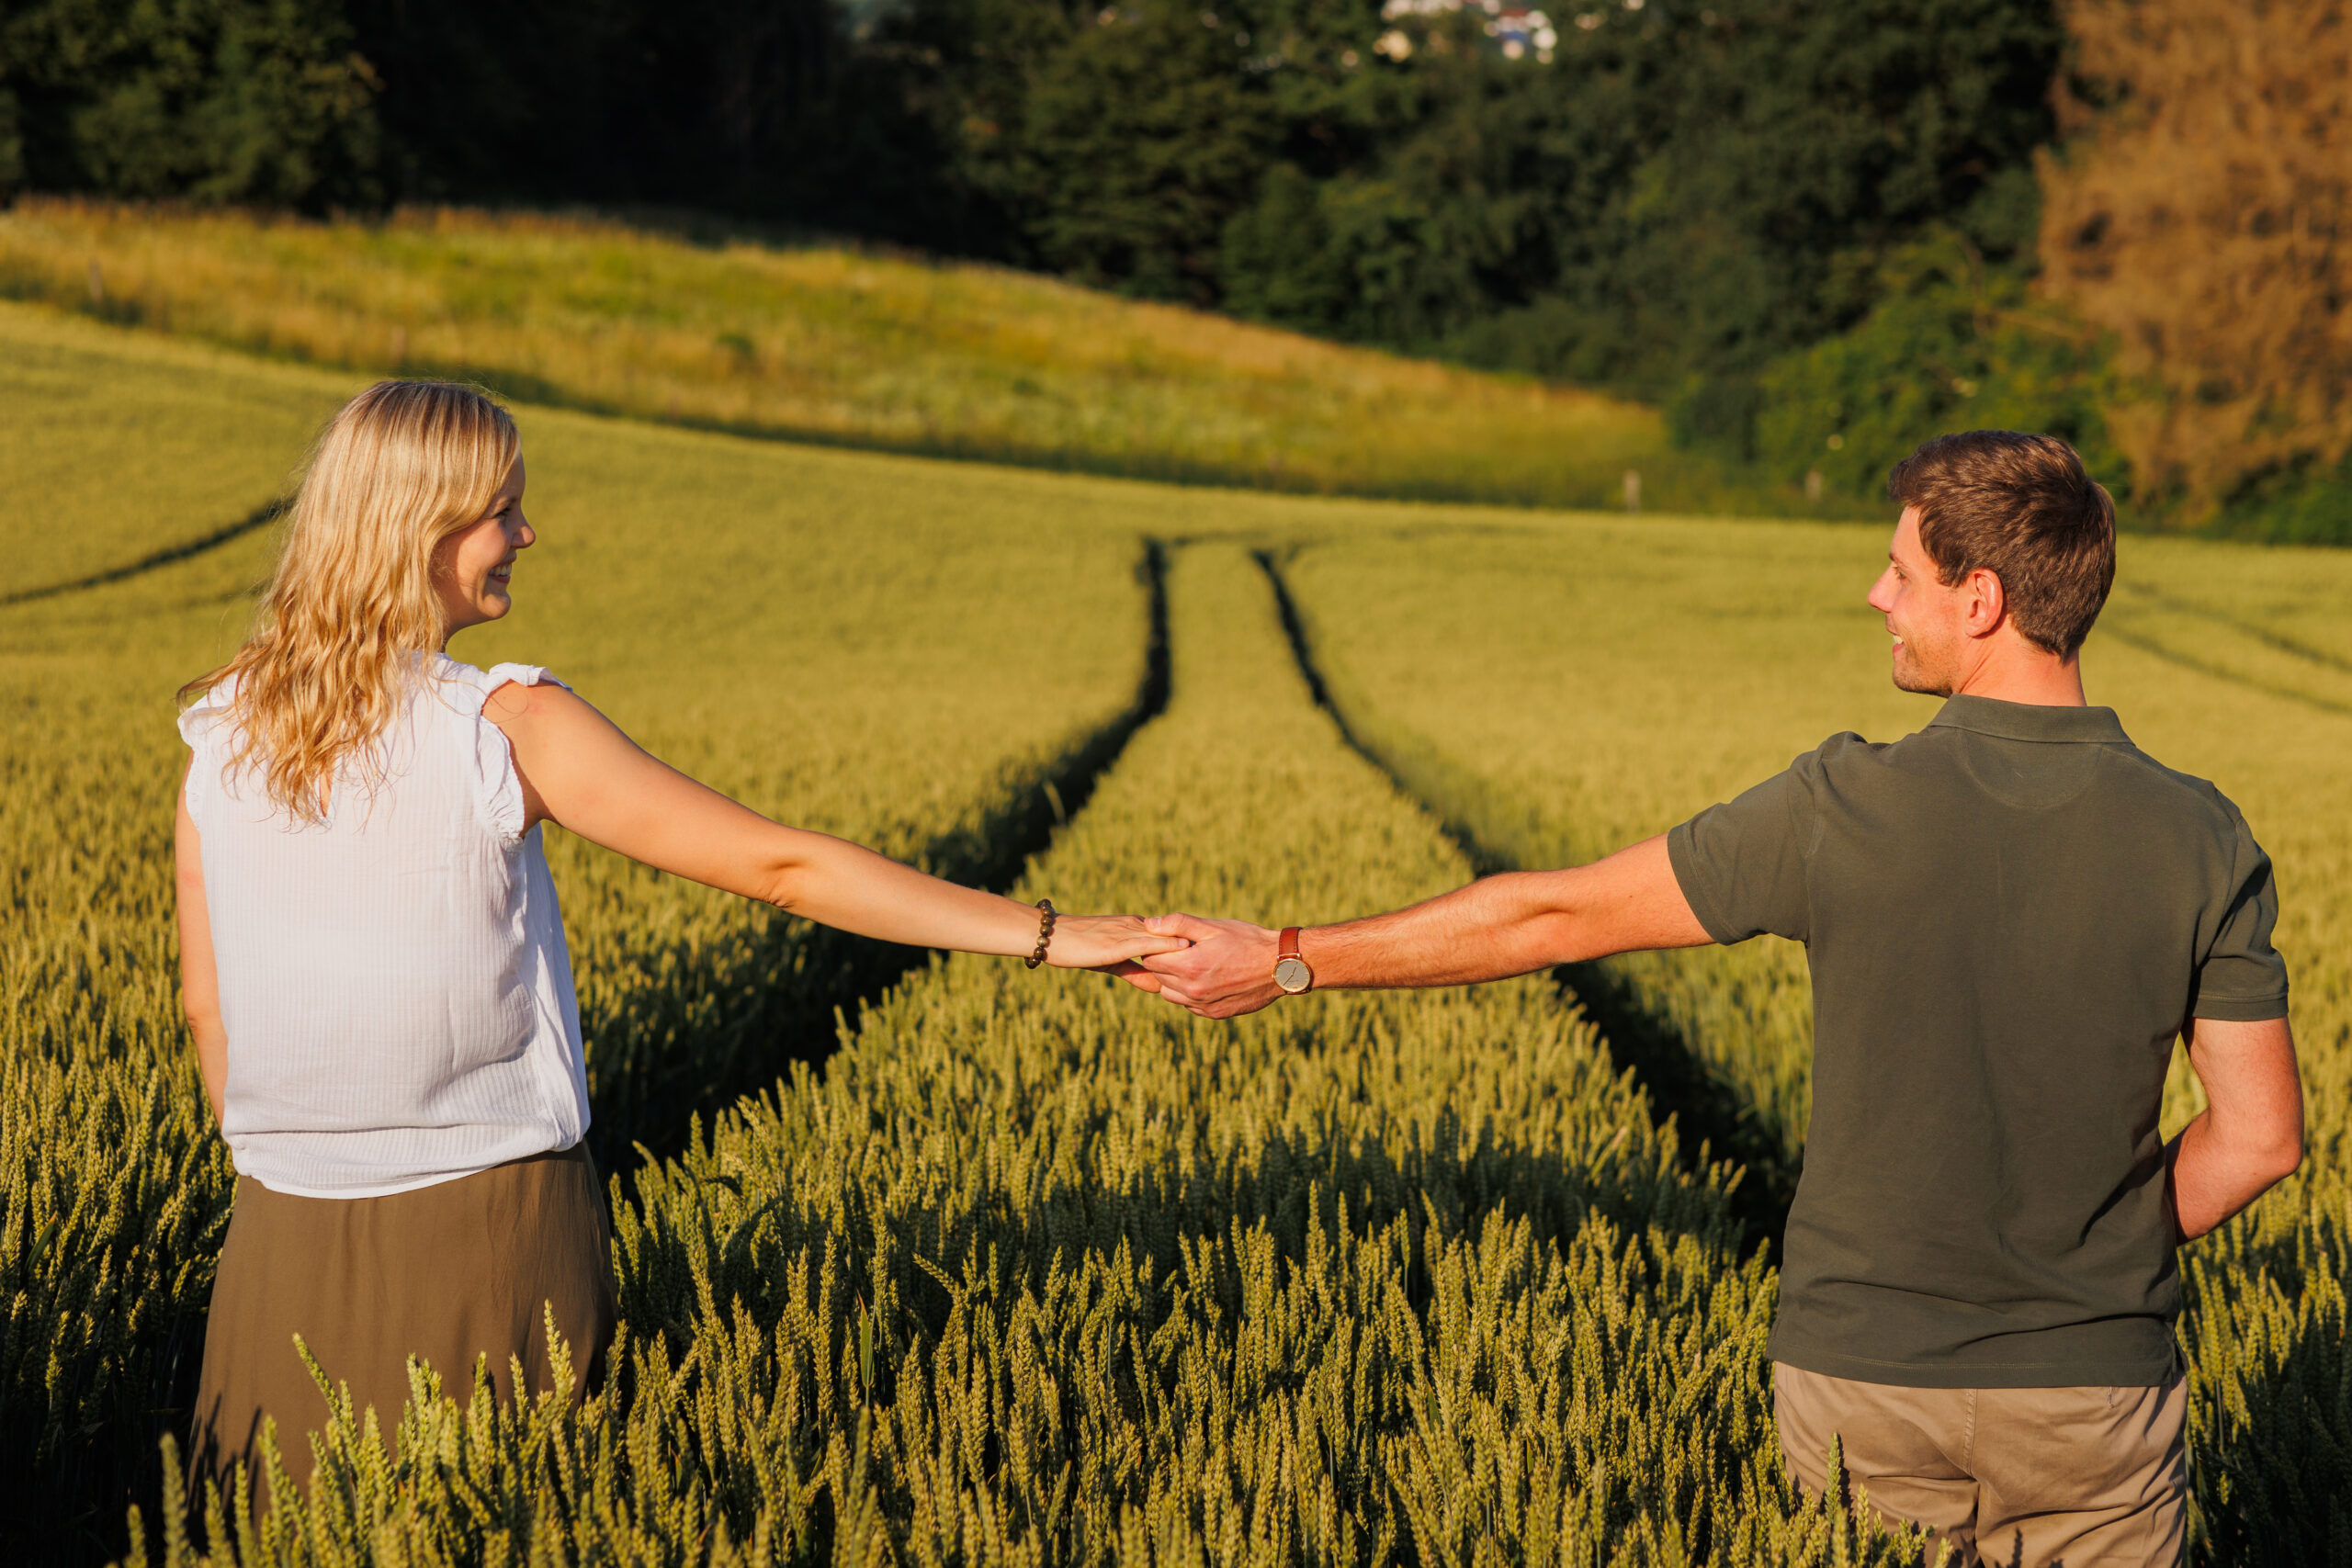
{"x":938,"y":1260}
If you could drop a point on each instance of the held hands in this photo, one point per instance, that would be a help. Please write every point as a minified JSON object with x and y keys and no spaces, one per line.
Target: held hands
{"x":1111,"y":943}
{"x":1224,"y":969}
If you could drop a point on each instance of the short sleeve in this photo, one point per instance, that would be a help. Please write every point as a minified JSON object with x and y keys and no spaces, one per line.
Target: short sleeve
{"x":2241,"y":978}
{"x":1742,"y":863}
{"x":201,"y":725}
{"x":498,"y":788}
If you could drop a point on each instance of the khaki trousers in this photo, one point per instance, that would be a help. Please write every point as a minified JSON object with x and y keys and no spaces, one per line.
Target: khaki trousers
{"x":452,"y":1272}
{"x":2016,"y":1477}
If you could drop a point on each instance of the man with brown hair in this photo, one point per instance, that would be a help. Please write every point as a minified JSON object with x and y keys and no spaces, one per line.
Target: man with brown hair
{"x":2010,"y":915}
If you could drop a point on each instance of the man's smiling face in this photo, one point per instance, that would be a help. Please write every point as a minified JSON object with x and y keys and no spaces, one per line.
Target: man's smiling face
{"x":1926,"y":619}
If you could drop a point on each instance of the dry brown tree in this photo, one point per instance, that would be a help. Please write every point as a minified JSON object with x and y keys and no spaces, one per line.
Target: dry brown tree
{"x":2200,"y":209}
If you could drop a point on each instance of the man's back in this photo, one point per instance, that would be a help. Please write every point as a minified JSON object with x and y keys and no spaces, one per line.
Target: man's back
{"x":2010,"y":915}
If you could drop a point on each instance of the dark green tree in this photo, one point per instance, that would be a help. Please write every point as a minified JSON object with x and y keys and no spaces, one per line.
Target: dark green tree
{"x":1955,"y":343}
{"x":209,"y":100}
{"x":1659,"y":194}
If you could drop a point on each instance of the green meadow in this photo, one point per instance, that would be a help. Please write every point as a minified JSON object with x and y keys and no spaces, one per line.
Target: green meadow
{"x":822,"y":342}
{"x":933,"y":1260}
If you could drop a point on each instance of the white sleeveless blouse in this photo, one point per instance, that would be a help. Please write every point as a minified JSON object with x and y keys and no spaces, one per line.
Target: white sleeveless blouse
{"x":394,"y":982}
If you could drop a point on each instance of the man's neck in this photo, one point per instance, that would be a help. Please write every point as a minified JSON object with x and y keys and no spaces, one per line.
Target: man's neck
{"x":2014,"y":671}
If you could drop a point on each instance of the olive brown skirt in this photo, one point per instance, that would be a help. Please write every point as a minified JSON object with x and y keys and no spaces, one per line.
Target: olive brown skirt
{"x":451,"y":1273}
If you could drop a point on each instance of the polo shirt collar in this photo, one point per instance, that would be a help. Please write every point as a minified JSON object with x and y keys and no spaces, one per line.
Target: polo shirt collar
{"x":2031,"y":721}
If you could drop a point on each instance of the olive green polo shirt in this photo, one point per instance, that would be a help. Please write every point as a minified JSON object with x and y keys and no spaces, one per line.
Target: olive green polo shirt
{"x":2010,"y":915}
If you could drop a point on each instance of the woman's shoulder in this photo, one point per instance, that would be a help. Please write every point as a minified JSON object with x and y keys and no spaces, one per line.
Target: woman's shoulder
{"x":203,"y":716}
{"x":498,"y":786}
{"x":471,"y":685}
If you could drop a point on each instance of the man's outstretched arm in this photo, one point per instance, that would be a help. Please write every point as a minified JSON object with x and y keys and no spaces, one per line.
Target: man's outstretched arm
{"x":1513,"y":924}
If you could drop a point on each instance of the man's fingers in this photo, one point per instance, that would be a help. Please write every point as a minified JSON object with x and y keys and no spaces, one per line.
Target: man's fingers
{"x":1191,"y":927}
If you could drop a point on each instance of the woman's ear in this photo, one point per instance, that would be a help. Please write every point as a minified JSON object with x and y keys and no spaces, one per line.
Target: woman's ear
{"x":441,"y":557}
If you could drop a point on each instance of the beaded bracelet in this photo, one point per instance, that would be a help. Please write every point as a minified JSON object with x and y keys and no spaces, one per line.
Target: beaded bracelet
{"x":1045,"y":933}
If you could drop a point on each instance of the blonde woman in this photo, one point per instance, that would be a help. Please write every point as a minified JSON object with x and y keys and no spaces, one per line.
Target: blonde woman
{"x":373,"y":965}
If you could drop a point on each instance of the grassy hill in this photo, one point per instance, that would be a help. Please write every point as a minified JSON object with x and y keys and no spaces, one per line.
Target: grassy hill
{"x":827,"y":344}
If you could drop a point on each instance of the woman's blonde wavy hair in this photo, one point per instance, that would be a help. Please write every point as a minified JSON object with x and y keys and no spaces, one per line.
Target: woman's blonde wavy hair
{"x":351,"y":608}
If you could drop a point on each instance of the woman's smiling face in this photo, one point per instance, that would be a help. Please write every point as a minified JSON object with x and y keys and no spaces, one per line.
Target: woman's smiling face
{"x":473,"y":569}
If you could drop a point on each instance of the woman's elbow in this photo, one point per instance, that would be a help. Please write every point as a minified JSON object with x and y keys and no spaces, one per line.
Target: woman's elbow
{"x":784,"y":877}
{"x":202,"y":1015}
{"x":800,"y":872}
{"x":780,"y":885}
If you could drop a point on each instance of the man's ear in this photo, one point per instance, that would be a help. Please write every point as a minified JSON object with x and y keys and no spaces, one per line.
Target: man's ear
{"x":1988,"y":602}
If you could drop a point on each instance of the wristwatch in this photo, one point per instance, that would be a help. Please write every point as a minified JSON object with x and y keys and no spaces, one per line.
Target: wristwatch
{"x":1291,"y":972}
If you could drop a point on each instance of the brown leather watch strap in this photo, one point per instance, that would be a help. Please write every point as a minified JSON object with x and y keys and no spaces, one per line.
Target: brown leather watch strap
{"x":1292,"y":975}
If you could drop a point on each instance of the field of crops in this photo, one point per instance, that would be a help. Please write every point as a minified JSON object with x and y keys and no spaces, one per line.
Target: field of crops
{"x":1032,"y":1267}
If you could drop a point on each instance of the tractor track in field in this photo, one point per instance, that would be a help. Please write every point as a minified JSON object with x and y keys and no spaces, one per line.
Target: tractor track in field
{"x":2171,"y":655}
{"x":835,"y":974}
{"x":1709,"y":1111}
{"x":259,"y":517}
{"x":2279,"y":641}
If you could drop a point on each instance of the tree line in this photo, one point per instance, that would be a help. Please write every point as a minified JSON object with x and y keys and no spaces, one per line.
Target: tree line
{"x":1810,"y":230}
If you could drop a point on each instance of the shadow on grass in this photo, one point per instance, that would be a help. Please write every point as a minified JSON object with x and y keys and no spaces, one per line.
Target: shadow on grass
{"x":1716,"y":1120}
{"x":2272,"y":1389}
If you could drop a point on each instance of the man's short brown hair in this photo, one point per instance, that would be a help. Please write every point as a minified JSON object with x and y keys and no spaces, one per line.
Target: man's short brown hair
{"x":2023,"y":508}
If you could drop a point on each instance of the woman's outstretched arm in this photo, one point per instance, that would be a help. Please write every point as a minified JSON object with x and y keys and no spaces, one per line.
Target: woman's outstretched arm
{"x":580,"y":770}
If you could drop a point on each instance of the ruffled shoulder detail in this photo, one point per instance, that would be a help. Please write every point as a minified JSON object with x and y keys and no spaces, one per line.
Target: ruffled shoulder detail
{"x":202,"y":717}
{"x":204,"y":724}
{"x":498,"y":788}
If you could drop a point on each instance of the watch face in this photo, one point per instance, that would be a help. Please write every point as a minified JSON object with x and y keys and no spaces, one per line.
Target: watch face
{"x":1293,"y":975}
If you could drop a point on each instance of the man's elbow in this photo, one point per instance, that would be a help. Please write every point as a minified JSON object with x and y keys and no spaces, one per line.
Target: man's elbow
{"x":2266,"y":1151}
{"x":2283,"y":1155}
{"x":2284,"y":1147}
{"x":1551,"y":932}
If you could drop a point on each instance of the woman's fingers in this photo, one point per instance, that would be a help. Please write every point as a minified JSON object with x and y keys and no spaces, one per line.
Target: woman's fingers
{"x":1096,"y":941}
{"x":1135,"y":975}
